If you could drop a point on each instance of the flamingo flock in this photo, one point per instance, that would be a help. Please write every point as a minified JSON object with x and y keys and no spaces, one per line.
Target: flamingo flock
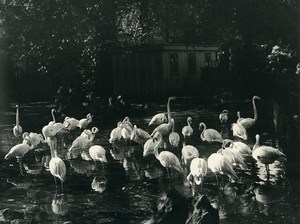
{"x":232,"y":157}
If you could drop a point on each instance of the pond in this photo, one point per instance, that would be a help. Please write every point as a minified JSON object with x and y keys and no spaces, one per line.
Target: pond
{"x":131,"y":188}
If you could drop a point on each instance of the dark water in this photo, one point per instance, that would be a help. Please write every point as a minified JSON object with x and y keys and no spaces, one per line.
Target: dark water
{"x":129,"y":188}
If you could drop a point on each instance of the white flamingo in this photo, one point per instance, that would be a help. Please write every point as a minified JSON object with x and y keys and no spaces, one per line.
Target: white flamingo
{"x":198,"y":170}
{"x":223,"y":116}
{"x":150,"y":145}
{"x":188,"y":152}
{"x":239,"y":131}
{"x":174,"y":137}
{"x":266,"y":154}
{"x":158,"y":119}
{"x":57,"y":166}
{"x":233,"y":156}
{"x":98,"y":153}
{"x":80,"y":144}
{"x":210,"y":135}
{"x":127,"y":128}
{"x":116,"y":133}
{"x":167,"y":159}
{"x":187,"y":130}
{"x":218,"y":164}
{"x":249,"y":122}
{"x":241,"y":147}
{"x":84,"y":122}
{"x":19,"y":151}
{"x":165,"y":129}
{"x":71,"y":123}
{"x":35,"y":138}
{"x":17,"y":130}
{"x":139,"y":135}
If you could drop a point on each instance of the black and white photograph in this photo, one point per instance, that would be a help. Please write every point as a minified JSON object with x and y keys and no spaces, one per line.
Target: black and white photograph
{"x":150,"y":111}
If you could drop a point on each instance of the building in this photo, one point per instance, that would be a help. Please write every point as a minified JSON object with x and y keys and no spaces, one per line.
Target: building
{"x":160,"y":70}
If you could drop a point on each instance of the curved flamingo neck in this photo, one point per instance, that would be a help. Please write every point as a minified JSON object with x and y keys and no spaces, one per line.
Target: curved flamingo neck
{"x":169,"y":110}
{"x":53,"y":117}
{"x":17,"y":117}
{"x":156,"y":148}
{"x":257,"y":137}
{"x":189,"y":122}
{"x":202,"y":133}
{"x":254,"y":108}
{"x":173,"y":125}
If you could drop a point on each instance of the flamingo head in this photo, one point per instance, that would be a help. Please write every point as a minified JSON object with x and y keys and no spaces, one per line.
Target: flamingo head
{"x":172,"y":98}
{"x":201,"y":125}
{"x":225,"y":112}
{"x":17,"y":106}
{"x":95,"y":130}
{"x":256,"y":98}
{"x":225,"y":143}
{"x":190,"y":120}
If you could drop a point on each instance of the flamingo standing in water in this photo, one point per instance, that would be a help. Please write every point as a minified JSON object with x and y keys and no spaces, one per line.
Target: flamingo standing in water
{"x":167,"y":159}
{"x":241,"y":147}
{"x":223,"y":117}
{"x":84,"y":122}
{"x":188,"y":153}
{"x":239,"y":131}
{"x":116,"y":133}
{"x":174,"y":137}
{"x":233,"y":156}
{"x":35,"y":138}
{"x":249,"y":122}
{"x":187,"y":130}
{"x":71,"y":123}
{"x":158,"y":119}
{"x":210,"y":135}
{"x":266,"y":154}
{"x":97,"y":152}
{"x":19,"y":151}
{"x":139,"y":135}
{"x":57,"y":166}
{"x":17,"y":130}
{"x":165,"y":129}
{"x":150,"y":145}
{"x":198,"y":170}
{"x":218,"y":164}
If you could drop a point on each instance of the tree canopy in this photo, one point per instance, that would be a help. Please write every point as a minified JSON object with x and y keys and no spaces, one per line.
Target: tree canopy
{"x":51,"y":43}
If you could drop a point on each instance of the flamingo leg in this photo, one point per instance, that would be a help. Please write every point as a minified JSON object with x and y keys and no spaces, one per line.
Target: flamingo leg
{"x":217,"y":179}
{"x":193,"y":188}
{"x":62,"y":186}
{"x":169,"y":175}
{"x":55,"y":181}
{"x":21,"y":166}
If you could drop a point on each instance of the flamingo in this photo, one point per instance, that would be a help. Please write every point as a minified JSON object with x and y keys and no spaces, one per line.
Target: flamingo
{"x":266,"y":154}
{"x":210,"y":135}
{"x":165,"y":129}
{"x":198,"y":170}
{"x":241,"y":147}
{"x":80,"y":144}
{"x":84,"y":122}
{"x":150,"y":145}
{"x":249,"y":122}
{"x":60,"y":126}
{"x":35,"y":138}
{"x":174,"y":137}
{"x":187,"y":130}
{"x":116,"y":133}
{"x":188,"y":153}
{"x":97,"y":152}
{"x":57,"y":166}
{"x":127,"y":128}
{"x":158,"y":119}
{"x":238,"y":113}
{"x":19,"y":151}
{"x":233,"y":156}
{"x":139,"y":135}
{"x":239,"y":131}
{"x":167,"y":159}
{"x":17,"y":130}
{"x":218,"y":164}
{"x":223,"y":117}
{"x":71,"y":123}
{"x":87,"y":133}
